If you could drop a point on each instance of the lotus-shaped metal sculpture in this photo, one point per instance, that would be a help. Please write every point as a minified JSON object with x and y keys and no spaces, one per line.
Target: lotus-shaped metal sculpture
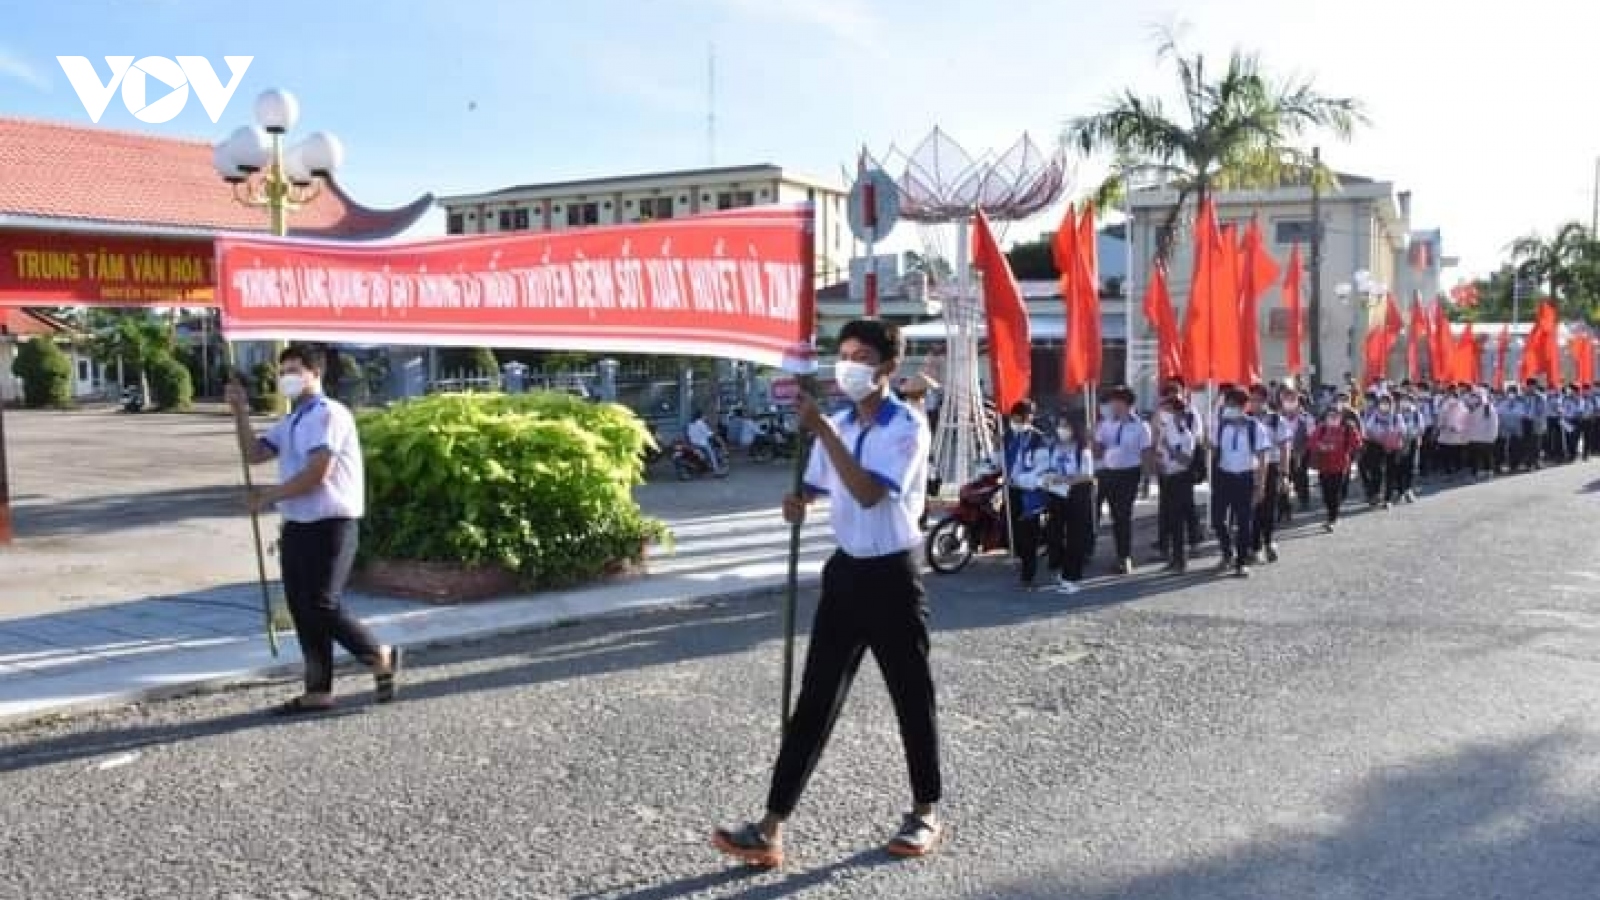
{"x":941,"y":182}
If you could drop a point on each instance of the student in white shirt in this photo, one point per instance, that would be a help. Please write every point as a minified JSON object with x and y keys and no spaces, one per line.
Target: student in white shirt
{"x":1175,"y":446}
{"x":1122,"y":446}
{"x":871,"y":462}
{"x":1068,"y":479}
{"x":1242,"y":443}
{"x":1383,"y":436}
{"x":321,"y":495}
{"x":1281,"y":447}
{"x":1196,"y":420}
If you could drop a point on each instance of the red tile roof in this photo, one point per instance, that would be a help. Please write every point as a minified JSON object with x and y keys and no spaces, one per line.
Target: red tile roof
{"x":25,"y":323}
{"x":52,"y":170}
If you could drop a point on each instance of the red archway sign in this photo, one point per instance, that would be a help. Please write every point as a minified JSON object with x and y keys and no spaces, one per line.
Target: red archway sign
{"x":735,"y":284}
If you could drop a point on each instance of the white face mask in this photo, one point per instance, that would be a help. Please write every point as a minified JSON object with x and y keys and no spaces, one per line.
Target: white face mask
{"x":1232,"y":412}
{"x":1167,"y":418}
{"x":857,"y":380}
{"x":1018,"y":424}
{"x":291,"y":385}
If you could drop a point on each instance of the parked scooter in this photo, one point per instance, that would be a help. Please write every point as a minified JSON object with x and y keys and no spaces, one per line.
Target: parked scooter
{"x":976,"y":525}
{"x":690,"y":463}
{"x":132,"y":399}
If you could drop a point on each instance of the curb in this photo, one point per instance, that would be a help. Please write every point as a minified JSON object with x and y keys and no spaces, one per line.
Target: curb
{"x":262,"y":675}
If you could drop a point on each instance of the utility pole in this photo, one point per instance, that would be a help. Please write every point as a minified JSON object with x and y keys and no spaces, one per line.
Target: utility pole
{"x":1317,"y":375}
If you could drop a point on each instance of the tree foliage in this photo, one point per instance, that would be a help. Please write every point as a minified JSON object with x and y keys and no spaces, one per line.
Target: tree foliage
{"x":46,"y":373}
{"x":539,"y":484}
{"x":171,"y":386}
{"x":1235,"y":128}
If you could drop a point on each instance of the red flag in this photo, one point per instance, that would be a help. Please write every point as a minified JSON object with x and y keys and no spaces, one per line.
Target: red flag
{"x":1419,"y":328}
{"x":1291,"y":305}
{"x":1061,"y":248}
{"x":1542,"y":352}
{"x":1502,"y":352}
{"x":1010,"y":350}
{"x":1583,"y":357}
{"x":1372,"y":356}
{"x":1227,"y":344}
{"x":1158,"y":310}
{"x":1197,"y":324}
{"x":1439,"y":351}
{"x":1381,"y":340}
{"x":1464,"y":294}
{"x":1258,"y":272}
{"x":1084,"y":343}
{"x":1465,"y":363}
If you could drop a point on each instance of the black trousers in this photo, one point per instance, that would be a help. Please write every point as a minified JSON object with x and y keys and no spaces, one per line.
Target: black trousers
{"x":1174,"y":509}
{"x":1300,"y":475}
{"x":1267,"y":510}
{"x":1069,"y":531}
{"x":1555,"y":446}
{"x":1334,"y":487}
{"x":1570,"y":441}
{"x":1375,"y":466}
{"x":1232,"y":511}
{"x":1120,"y":488}
{"x":1405,"y":469}
{"x":317,"y":558}
{"x":1024,"y":535}
{"x":1480,"y":458}
{"x":1527,"y":449}
{"x":873,"y":604}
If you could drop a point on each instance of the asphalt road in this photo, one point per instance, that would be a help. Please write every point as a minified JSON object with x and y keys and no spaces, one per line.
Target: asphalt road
{"x":1404,"y":710}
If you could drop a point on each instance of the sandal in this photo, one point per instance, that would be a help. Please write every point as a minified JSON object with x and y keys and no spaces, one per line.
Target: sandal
{"x":298,"y":706}
{"x":386,"y":681}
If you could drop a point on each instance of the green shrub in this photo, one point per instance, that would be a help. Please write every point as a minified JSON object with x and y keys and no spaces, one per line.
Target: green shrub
{"x":46,"y":373}
{"x":171,"y":386}
{"x":539,"y":484}
{"x":264,"y":399}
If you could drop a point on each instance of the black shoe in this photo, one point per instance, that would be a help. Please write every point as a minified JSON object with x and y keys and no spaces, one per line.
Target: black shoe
{"x":1241,"y":572}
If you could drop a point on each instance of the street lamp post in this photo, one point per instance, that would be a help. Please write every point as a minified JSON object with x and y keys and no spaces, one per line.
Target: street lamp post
{"x":265,"y":174}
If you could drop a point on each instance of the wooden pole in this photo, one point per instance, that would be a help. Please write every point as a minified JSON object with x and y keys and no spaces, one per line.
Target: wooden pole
{"x":255,"y":528}
{"x":791,"y":600}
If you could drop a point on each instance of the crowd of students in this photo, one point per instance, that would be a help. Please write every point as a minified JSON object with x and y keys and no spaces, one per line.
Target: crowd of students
{"x":1261,"y":448}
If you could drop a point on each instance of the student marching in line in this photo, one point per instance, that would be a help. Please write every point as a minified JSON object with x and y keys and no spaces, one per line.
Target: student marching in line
{"x":1026,"y":456}
{"x":1280,"y":433}
{"x":871,"y":462}
{"x":1413,"y":425}
{"x":1382,"y":442}
{"x":1123,"y":453}
{"x":1483,"y":428}
{"x":1452,"y":432}
{"x":1292,"y":406}
{"x":1195,"y":420}
{"x":1334,"y":446}
{"x":1069,"y":528}
{"x":1175,"y":444}
{"x":1506,"y":405}
{"x":1241,"y":469}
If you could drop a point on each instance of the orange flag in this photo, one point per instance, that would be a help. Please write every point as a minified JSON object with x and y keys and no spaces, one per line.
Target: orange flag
{"x":1541,"y":355}
{"x":1419,"y":328}
{"x":1439,"y":352}
{"x":1258,"y":271}
{"x":1005,"y":314}
{"x":1502,"y":352}
{"x":1583,"y":357}
{"x":1158,"y":310}
{"x":1197,"y":324}
{"x":1465,"y":368}
{"x":1291,"y":305}
{"x":1083,"y":350}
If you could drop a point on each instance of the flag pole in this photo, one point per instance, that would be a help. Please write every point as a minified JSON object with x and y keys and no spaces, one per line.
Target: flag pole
{"x":255,"y":524}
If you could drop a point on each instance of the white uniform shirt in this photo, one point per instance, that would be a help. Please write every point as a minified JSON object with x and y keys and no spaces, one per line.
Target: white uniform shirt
{"x":1173,"y":444}
{"x":1281,"y":435}
{"x":1125,"y":441}
{"x":893,"y":448}
{"x":1240,"y":443}
{"x":699,"y":433}
{"x":318,"y":423}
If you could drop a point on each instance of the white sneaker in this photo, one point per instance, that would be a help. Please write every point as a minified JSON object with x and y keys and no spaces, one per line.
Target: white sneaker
{"x":1066,"y":587}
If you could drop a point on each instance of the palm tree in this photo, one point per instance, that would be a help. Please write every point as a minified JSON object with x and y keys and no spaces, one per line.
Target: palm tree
{"x":1234,"y":131}
{"x":1566,"y":266}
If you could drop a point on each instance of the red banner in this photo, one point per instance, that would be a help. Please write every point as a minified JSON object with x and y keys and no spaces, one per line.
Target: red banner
{"x":736,"y":284}
{"x":73,"y":269}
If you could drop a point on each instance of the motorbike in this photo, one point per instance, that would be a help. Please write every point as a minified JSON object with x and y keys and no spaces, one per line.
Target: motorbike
{"x":653,"y":451}
{"x":690,"y":463}
{"x":132,"y":399}
{"x":976,"y":525}
{"x":775,"y":439}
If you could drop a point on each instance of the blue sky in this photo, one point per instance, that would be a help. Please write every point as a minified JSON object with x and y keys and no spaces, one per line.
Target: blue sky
{"x":467,"y":95}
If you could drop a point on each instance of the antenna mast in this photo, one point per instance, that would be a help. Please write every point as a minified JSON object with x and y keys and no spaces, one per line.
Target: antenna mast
{"x":711,"y":104}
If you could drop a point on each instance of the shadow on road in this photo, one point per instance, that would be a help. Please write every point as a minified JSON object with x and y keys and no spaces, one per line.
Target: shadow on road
{"x":764,"y":886}
{"x":112,"y":513}
{"x":1494,"y":820}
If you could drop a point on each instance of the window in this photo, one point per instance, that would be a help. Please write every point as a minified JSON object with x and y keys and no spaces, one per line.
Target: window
{"x":735,"y":199}
{"x":83,"y":370}
{"x":505,"y":220}
{"x":655,"y":208}
{"x":455,"y":224}
{"x":581,"y":214}
{"x":519,"y":219}
{"x":1292,"y":231}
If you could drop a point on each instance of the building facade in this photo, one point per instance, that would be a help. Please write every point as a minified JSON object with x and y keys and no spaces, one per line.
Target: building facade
{"x":1369,"y":251}
{"x":623,"y":200}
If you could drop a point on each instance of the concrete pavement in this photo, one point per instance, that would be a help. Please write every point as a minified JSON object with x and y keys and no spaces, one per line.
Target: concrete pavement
{"x":1402,"y":710}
